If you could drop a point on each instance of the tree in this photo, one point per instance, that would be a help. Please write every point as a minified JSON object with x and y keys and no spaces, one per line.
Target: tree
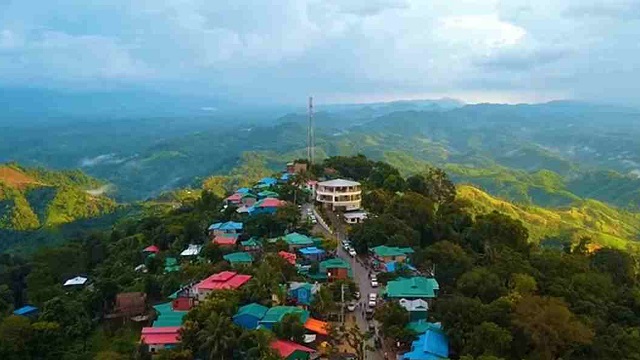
{"x":47,"y":340}
{"x":438,"y":187}
{"x":449,"y":259}
{"x":618,"y":263}
{"x":494,"y":231}
{"x":358,"y":341}
{"x":212,"y":252}
{"x":391,"y":317}
{"x":323,"y":302}
{"x":549,"y":326}
{"x":459,"y":316}
{"x":523,"y":284}
{"x":218,"y":337}
{"x":288,"y":216}
{"x":481,"y":283}
{"x":15,"y":336}
{"x":489,"y":339}
{"x":376,"y":201}
{"x":393,"y":183}
{"x":290,"y":328}
{"x":256,"y":345}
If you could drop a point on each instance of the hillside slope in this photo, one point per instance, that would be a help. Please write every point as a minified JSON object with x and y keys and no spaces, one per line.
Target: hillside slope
{"x":34,"y":198}
{"x":604,"y":224}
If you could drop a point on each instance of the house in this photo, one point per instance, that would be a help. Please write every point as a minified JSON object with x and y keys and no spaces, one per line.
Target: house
{"x":266,"y":206}
{"x":303,"y":292}
{"x":421,"y":326}
{"x":277,"y":313}
{"x":238,"y":258}
{"x":248,"y":200}
{"x":130,"y":304}
{"x":266,"y":182}
{"x":225,"y":228}
{"x":78,"y":281}
{"x":432,"y":345}
{"x":417,"y":287}
{"x":27,"y":311}
{"x":268,"y":194}
{"x":159,"y":338}
{"x":289,"y":350}
{"x":296,"y":167}
{"x":171,"y":265}
{"x":233,"y":199}
{"x":312,"y":253}
{"x":298,"y":241}
{"x":387,"y":254}
{"x":225,"y":241}
{"x":249,"y":315}
{"x":284,"y":178}
{"x":339,"y":194}
{"x":316,"y":326}
{"x":243,"y":190}
{"x":252,"y":245}
{"x":151,"y":249}
{"x":417,"y":308}
{"x":289,"y":257}
{"x":167,"y":315}
{"x":354,"y":217}
{"x":335,"y":269}
{"x":191,"y":250}
{"x":222,"y":280}
{"x":183,"y":299}
{"x":395,"y":266}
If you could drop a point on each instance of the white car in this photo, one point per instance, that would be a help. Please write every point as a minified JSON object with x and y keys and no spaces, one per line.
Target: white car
{"x":352,"y":252}
{"x":372,"y":303}
{"x":374,"y":283}
{"x":373,"y":297}
{"x":351,"y":306}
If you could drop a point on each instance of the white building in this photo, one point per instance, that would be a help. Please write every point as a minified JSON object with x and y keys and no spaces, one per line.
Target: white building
{"x":355,"y":217}
{"x":339,"y":194}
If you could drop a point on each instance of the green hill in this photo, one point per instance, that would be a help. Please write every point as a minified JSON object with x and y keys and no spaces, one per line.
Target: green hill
{"x":605,"y":225}
{"x":34,"y":198}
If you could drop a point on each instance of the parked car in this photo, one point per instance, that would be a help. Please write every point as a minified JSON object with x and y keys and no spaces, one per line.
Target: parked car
{"x":374,"y":283}
{"x":352,"y":252}
{"x":369,"y":313}
{"x":372,"y":327}
{"x":373,"y":296}
{"x":351,"y":306}
{"x":356,"y":295}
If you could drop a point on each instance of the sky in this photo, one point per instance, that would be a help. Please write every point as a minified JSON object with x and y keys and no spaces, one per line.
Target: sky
{"x":338,"y":51}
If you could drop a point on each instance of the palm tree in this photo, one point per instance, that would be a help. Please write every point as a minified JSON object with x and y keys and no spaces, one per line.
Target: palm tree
{"x":257,"y":345}
{"x":218,"y":337}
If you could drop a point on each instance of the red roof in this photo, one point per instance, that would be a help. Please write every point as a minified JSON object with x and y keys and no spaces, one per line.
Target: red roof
{"x":223,"y":280}
{"x":151,"y":248}
{"x":286,"y":348}
{"x":312,"y":182}
{"x":270,"y":202}
{"x":160,"y":335}
{"x":234,"y":197}
{"x":225,"y":240}
{"x":291,"y":258}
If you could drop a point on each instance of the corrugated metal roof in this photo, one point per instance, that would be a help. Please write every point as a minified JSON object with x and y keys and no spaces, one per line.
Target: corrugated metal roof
{"x":238,"y":257}
{"x":286,"y":348}
{"x":253,"y":309}
{"x":339,"y":182}
{"x":160,"y":335}
{"x":415,"y":287}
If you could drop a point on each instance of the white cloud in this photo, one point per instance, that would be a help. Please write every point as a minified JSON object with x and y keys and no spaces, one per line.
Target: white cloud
{"x":511,"y":49}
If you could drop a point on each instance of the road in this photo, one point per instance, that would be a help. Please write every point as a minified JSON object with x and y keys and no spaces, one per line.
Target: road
{"x":360,"y":276}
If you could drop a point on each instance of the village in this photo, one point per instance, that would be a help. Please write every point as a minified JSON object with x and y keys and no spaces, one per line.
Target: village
{"x":322,"y":256}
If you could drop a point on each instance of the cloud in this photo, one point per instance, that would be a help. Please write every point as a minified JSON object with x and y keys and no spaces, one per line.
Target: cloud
{"x":333,"y":49}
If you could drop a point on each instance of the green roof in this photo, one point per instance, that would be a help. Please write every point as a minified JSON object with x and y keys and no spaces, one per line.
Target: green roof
{"x":253,"y":309}
{"x":334,"y":263}
{"x":298,"y":239}
{"x":276,"y":313}
{"x":171,"y":265}
{"x":167,"y":316}
{"x":267,"y":193}
{"x":421,"y":326}
{"x":249,"y":195}
{"x":238,"y":257}
{"x":251,"y":242}
{"x":384,"y":251}
{"x":415,"y":287}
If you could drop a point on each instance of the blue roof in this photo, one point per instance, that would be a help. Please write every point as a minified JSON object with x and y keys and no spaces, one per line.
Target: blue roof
{"x":285,"y":177}
{"x":433,"y":345}
{"x":311,"y":250}
{"x":392,"y":266}
{"x":243,"y":190}
{"x":268,"y":181}
{"x":25,"y":310}
{"x":229,"y":225}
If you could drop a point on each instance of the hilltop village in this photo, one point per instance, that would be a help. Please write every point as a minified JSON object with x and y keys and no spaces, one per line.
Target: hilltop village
{"x":346,"y":259}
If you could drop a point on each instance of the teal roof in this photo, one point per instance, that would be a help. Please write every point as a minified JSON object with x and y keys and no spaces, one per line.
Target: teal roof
{"x":298,"y":239}
{"x":251,"y":242}
{"x":334,"y":263}
{"x":171,"y":265}
{"x":415,"y":287}
{"x":238,"y":257}
{"x":276,"y":313}
{"x":268,"y":194}
{"x":421,"y":326}
{"x":253,"y":309}
{"x":384,"y":251}
{"x":167,"y":316}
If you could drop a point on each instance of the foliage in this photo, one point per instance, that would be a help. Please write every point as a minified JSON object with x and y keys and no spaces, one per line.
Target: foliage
{"x":290,"y":328}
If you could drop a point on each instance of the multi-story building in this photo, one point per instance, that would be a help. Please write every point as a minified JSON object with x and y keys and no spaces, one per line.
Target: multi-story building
{"x":339,"y":194}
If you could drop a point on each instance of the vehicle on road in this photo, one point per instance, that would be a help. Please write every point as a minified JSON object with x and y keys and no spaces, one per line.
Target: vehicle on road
{"x":352,"y":252}
{"x":356,"y":295}
{"x":351,"y":306}
{"x":374,"y":283}
{"x":345,"y":242}
{"x":373,"y":296}
{"x":313,"y":220}
{"x":372,"y":327}
{"x":369,"y":313}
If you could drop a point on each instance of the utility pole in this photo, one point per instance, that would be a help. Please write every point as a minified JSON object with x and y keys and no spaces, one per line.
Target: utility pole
{"x":342,"y":303}
{"x":311,"y":136}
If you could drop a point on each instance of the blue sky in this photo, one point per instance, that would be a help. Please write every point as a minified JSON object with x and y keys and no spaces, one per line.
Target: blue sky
{"x":339,"y":51}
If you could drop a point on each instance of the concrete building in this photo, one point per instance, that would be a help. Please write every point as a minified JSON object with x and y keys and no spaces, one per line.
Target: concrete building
{"x":340,"y":194}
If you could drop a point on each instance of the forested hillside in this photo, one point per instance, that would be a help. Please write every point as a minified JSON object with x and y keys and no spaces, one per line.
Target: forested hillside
{"x":34,"y":198}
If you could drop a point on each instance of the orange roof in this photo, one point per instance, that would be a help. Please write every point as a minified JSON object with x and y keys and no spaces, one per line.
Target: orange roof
{"x":317,"y":326}
{"x":291,"y":258}
{"x":225,"y":240}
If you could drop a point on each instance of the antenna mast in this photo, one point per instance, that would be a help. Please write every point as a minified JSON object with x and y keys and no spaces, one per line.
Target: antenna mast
{"x":311,"y":137}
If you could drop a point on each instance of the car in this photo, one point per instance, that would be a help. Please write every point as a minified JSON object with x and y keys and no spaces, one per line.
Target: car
{"x":356,"y":295}
{"x":372,"y":303}
{"x":372,"y":327}
{"x":373,"y":297}
{"x":374,"y":283}
{"x":314,"y":221}
{"x":374,"y":277}
{"x":369,"y":313}
{"x":352,"y":252}
{"x":351,"y":306}
{"x":345,"y":242}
